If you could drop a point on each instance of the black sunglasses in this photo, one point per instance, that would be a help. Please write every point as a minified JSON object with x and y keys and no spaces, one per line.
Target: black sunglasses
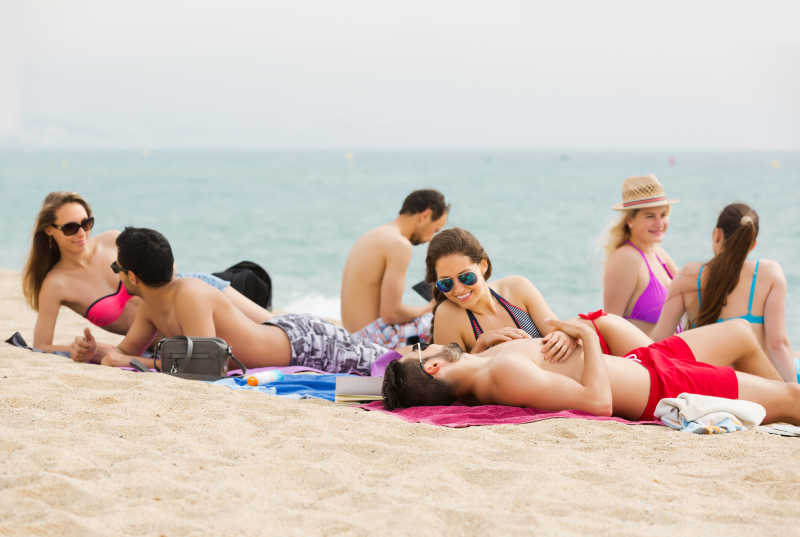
{"x":445,"y":285}
{"x":71,"y":228}
{"x":117,"y":268}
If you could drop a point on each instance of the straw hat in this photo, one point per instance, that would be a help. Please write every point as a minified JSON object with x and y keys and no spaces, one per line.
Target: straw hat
{"x":643,"y":191}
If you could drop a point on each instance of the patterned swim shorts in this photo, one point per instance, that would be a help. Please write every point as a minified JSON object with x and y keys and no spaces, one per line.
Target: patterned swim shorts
{"x":322,"y":345}
{"x":210,"y":279}
{"x":396,"y":335}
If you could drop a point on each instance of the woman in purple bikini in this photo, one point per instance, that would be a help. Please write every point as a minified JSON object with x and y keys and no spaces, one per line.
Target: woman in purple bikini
{"x":638,"y":270}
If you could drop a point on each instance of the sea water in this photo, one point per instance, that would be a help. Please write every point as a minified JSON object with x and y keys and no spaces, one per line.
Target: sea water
{"x":541,"y":214}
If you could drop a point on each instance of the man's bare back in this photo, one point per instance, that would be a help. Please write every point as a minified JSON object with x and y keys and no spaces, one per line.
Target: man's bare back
{"x":365,"y":270}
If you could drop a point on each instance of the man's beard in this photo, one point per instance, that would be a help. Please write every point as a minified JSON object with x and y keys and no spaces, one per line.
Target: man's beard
{"x":451,"y":353}
{"x":415,"y":240}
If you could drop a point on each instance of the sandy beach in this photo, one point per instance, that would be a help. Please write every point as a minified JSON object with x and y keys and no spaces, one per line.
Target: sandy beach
{"x":89,"y":450}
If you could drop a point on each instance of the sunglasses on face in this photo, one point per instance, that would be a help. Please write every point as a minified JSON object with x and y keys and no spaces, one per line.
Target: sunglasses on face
{"x":445,"y":285}
{"x":419,"y":350}
{"x":117,"y":268}
{"x":71,"y":228}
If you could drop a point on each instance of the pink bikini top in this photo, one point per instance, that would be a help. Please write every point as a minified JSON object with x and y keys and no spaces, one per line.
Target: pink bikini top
{"x":107,"y":309}
{"x":648,"y":306}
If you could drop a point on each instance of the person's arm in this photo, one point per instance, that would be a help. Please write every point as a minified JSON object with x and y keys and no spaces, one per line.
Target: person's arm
{"x":619,"y":282}
{"x":139,"y":337}
{"x":556,"y":344}
{"x":675,"y":305}
{"x":49,"y":304}
{"x":775,"y":338}
{"x":534,"y":387}
{"x":446,"y":326}
{"x":392,"y":310}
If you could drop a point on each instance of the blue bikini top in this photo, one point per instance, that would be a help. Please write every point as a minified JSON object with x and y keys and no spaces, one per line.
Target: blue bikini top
{"x":749,"y":317}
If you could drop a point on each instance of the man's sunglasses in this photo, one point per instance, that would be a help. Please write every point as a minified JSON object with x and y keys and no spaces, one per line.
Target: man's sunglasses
{"x":117,"y":268}
{"x":71,"y":228}
{"x":445,"y":285}
{"x":419,"y":350}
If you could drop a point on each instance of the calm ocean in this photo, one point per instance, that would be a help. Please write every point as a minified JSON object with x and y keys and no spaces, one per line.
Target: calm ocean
{"x":538,"y":213}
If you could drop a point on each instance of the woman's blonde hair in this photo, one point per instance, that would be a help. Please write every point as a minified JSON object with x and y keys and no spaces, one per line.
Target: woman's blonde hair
{"x":619,"y":233}
{"x":44,"y":253}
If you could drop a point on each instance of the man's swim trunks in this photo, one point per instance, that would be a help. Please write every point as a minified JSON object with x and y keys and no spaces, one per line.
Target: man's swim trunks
{"x":396,"y":335}
{"x":674,"y":370}
{"x":322,"y":345}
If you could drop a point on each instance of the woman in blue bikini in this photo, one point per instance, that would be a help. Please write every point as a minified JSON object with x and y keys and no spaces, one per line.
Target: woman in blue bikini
{"x":476,"y":314}
{"x":638,"y":270}
{"x":68,"y":267}
{"x":731,"y":287}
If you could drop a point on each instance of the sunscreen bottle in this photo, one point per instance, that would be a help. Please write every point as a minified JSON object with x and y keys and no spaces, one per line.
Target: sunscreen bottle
{"x":264,"y":377}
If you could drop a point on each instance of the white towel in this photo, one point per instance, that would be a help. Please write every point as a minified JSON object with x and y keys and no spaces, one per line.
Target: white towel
{"x":693,"y":412}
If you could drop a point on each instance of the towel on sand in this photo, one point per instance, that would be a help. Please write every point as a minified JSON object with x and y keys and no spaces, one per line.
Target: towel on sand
{"x":463,"y":416}
{"x":294,"y":386}
{"x":704,"y":414}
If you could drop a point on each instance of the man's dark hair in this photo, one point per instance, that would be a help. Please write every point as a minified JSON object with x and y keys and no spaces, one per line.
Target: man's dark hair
{"x":419,"y":200}
{"x":405,"y":385}
{"x":146,"y":253}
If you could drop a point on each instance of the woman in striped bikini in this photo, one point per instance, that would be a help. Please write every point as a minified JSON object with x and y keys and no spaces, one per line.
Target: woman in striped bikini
{"x":638,"y":270}
{"x":476,"y":314}
{"x":731,"y":287}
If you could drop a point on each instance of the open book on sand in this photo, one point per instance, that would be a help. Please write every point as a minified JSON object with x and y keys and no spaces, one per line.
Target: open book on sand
{"x":353,"y":389}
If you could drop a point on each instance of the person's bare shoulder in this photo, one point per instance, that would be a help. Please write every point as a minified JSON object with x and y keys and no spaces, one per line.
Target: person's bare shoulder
{"x":772,"y":270}
{"x":388,"y":237}
{"x":624,"y":255}
{"x":686,"y":278}
{"x":448,"y":312}
{"x":512,"y":284}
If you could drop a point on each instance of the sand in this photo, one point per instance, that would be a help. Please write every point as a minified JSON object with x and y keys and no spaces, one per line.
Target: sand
{"x":90,"y":450}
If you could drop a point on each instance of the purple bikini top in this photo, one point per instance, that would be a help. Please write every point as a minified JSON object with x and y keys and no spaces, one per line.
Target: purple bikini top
{"x":648,"y":306}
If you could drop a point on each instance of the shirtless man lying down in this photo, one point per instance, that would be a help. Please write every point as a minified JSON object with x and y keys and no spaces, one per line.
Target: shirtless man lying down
{"x":515,"y":373}
{"x":190,"y":307}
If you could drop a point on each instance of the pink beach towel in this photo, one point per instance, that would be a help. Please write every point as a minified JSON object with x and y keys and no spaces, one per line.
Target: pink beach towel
{"x":464,"y":416}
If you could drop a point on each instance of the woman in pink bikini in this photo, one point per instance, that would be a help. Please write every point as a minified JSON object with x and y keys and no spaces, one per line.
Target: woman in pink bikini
{"x":67,"y":267}
{"x":638,"y":270}
{"x":729,"y":286}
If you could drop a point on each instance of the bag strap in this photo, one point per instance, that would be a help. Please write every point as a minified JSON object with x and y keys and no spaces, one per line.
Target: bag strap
{"x":240,"y":364}
{"x":189,"y":349}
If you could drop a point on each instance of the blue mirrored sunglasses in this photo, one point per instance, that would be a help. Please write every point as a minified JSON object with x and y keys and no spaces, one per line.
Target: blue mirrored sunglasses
{"x":445,"y":285}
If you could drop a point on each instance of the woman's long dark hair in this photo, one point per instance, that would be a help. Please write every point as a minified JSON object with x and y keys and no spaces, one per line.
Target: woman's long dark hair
{"x":739,"y":225}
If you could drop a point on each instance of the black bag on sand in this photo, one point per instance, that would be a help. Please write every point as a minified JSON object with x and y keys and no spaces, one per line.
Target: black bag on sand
{"x":198,"y":358}
{"x":251,"y":280}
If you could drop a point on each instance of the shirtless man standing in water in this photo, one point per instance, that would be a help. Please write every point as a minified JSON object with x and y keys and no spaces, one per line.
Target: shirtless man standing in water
{"x":516,"y":373}
{"x":375,"y":273}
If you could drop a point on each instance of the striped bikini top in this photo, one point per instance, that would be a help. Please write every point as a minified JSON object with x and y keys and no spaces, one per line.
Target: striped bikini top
{"x":518,"y":315}
{"x":749,"y":317}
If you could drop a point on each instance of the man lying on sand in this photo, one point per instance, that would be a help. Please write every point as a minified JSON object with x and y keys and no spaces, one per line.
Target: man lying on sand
{"x":190,"y":307}
{"x":515,"y":373}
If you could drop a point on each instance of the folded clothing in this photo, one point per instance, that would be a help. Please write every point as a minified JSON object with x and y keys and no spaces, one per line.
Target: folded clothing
{"x":459,"y":415}
{"x":704,"y":414}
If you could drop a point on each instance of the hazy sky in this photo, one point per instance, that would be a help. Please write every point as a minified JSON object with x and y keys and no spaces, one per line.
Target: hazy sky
{"x":365,"y":73}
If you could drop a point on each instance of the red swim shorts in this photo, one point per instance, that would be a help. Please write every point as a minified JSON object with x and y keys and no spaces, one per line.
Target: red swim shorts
{"x":674,"y":370}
